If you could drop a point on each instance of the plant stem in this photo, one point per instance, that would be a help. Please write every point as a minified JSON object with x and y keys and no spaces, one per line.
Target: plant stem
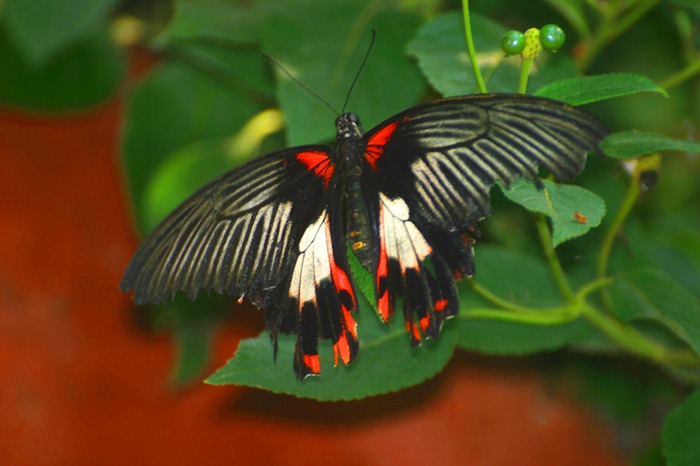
{"x":636,"y":343}
{"x":525,"y":68}
{"x":609,"y":239}
{"x":614,"y":24}
{"x":552,"y":259}
{"x":592,"y":286}
{"x":683,"y":75}
{"x":470,"y":47}
{"x":495,"y":299}
{"x":623,"y":335}
{"x":543,"y":317}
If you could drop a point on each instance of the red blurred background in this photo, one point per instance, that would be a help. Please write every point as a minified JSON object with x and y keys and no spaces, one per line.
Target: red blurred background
{"x":81,"y":383}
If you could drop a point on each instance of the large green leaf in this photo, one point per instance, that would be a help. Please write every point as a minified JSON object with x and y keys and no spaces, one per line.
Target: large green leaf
{"x":81,"y":75}
{"x":180,"y":175}
{"x":227,"y":20}
{"x":388,"y":84}
{"x":681,"y":445}
{"x":43,"y":29}
{"x":441,"y":50}
{"x":179,"y":104}
{"x":650,"y":294}
{"x":525,"y":281}
{"x":193,"y":324}
{"x":630,"y":144}
{"x":386,"y":363}
{"x":588,"y":89}
{"x":572,"y":210}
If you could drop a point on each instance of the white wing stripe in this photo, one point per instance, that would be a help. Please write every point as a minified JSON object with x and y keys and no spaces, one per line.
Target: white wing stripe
{"x":404,"y":242}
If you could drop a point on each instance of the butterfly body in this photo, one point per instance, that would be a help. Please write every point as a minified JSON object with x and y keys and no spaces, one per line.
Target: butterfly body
{"x":405,"y":196}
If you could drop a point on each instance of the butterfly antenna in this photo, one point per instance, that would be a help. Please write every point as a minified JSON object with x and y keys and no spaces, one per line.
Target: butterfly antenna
{"x":303,"y":86}
{"x":362,"y":66}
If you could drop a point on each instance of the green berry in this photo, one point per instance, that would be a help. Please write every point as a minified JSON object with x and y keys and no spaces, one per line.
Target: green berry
{"x":513,"y":42}
{"x":552,"y":37}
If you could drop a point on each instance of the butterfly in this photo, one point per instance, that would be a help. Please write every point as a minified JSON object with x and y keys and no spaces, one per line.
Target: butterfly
{"x":405,"y":197}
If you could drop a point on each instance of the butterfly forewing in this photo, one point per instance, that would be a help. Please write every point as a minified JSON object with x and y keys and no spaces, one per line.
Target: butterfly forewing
{"x":443,"y":157}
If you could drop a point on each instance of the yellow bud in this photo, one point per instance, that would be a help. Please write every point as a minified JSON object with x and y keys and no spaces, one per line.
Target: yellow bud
{"x":532,"y":44}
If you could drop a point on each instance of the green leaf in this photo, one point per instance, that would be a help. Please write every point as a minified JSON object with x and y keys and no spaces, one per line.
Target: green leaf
{"x":572,"y":210}
{"x":525,"y":281}
{"x":388,"y":84}
{"x":651,"y":294}
{"x":180,"y":175}
{"x":362,"y":279}
{"x":690,"y":5}
{"x":177,"y":105}
{"x":587,"y":89}
{"x":192,"y":352}
{"x":441,"y":51}
{"x":84,"y":74}
{"x":630,"y":144}
{"x":226,"y":20}
{"x":192,"y":324}
{"x":386,"y":363}
{"x":680,"y":435}
{"x":42,"y":29}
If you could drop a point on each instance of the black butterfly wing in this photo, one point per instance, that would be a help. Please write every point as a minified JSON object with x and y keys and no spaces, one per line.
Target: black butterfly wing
{"x":266,"y":230}
{"x":433,"y":167}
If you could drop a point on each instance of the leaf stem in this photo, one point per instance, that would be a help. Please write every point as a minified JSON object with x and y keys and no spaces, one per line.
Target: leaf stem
{"x":495,"y":299}
{"x":525,"y":68}
{"x":615,"y":22}
{"x":683,"y":75}
{"x":593,"y":286}
{"x":633,"y":341}
{"x":543,"y":317}
{"x":552,"y":259}
{"x":470,"y":47}
{"x":609,"y":239}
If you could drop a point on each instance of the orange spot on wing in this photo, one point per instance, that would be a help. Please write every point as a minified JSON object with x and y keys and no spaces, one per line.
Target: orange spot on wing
{"x":424,"y":322}
{"x":441,"y":304}
{"x":375,"y":145}
{"x":383,"y":303}
{"x":312,"y":362}
{"x":413,"y":330}
{"x":342,"y":283}
{"x":342,"y":348}
{"x":319,"y":163}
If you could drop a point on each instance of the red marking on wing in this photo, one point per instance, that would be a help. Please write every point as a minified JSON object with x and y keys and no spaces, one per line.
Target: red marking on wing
{"x":341,"y":349}
{"x":312,"y":362}
{"x":441,"y":304}
{"x":319,"y":163}
{"x":341,"y":281}
{"x":413,"y":330}
{"x":375,"y":145}
{"x":383,"y":302}
{"x":424,"y":323}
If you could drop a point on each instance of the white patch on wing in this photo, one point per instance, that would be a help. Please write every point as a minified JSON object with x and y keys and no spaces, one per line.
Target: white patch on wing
{"x":313,"y":263}
{"x":404,"y":243}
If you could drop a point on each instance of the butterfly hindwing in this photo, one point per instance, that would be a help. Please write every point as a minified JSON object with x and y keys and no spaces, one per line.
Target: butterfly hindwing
{"x":267,"y":230}
{"x":322,"y":293}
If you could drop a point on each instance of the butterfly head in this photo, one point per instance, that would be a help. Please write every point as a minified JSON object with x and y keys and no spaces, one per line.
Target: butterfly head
{"x":348,"y":127}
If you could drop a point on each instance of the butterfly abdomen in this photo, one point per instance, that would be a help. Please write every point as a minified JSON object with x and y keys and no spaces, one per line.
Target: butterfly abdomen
{"x":360,"y":234}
